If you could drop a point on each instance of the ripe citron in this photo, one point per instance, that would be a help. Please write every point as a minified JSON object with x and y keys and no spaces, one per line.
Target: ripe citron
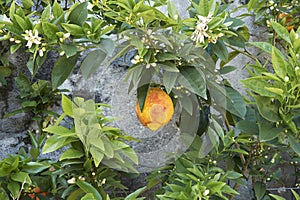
{"x":158,"y":109}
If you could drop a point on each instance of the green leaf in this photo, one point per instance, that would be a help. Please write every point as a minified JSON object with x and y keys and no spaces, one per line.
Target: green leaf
{"x":27,"y":4}
{"x":235,"y":102}
{"x":279,"y":64}
{"x":187,"y":103}
{"x":62,"y":69}
{"x":233,"y":175}
{"x":142,"y":94}
{"x":165,"y":56}
{"x":60,"y":131}
{"x":57,"y":10}
{"x":193,"y":80}
{"x":71,"y":154}
{"x":267,"y":131}
{"x":88,"y":196}
{"x":97,"y":155}
{"x":260,"y":190}
{"x":50,"y":30}
{"x":67,"y":105}
{"x":215,"y":186}
{"x":276,"y":197}
{"x":294,"y":144}
{"x":22,"y":23}
{"x":248,"y":127}
{"x":35,"y":167}
{"x":240,"y":151}
{"x":227,"y":69}
{"x":218,"y":129}
{"x":29,"y":104}
{"x":267,"y":108}
{"x":213,"y":137}
{"x":79,"y":14}
{"x":107,"y":45}
{"x":169,"y":79}
{"x":69,"y":49}
{"x":169,"y":67}
{"x":130,"y":153}
{"x":23,"y":84}
{"x":220,"y":50}
{"x":258,"y":84}
{"x":88,"y":188}
{"x":46,"y":13}
{"x":13,"y":48}
{"x":73,"y":29}
{"x":91,"y":62}
{"x":14,"y":189}
{"x":21,"y":177}
{"x":135,"y":194}
{"x":56,"y":142}
{"x":296,"y":195}
{"x":281,"y":31}
{"x":265,"y":46}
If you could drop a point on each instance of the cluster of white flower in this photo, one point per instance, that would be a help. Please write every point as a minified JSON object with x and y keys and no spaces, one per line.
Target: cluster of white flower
{"x":202,"y":31}
{"x":272,"y":5}
{"x":32,"y":38}
{"x":137,"y":59}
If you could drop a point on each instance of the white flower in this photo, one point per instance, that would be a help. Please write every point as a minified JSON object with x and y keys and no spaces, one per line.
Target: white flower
{"x":206,"y":192}
{"x":286,"y":79}
{"x":72,"y":181}
{"x":32,"y":38}
{"x":201,"y":29}
{"x":64,"y":37}
{"x":41,"y":53}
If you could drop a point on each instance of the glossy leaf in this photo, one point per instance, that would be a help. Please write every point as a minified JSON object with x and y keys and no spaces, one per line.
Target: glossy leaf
{"x":57,"y":10}
{"x":193,"y":80}
{"x":62,"y":69}
{"x":169,"y":80}
{"x":69,"y":49}
{"x":73,"y":29}
{"x":67,"y":105}
{"x":21,"y":177}
{"x":265,"y":46}
{"x":50,"y":30}
{"x":267,"y":108}
{"x":220,"y":50}
{"x":27,"y":3}
{"x":279,"y":64}
{"x":14,"y":189}
{"x":79,"y":14}
{"x":258,"y":84}
{"x":267,"y":131}
{"x":282,"y":32}
{"x":260,"y":190}
{"x":36,"y":167}
{"x":92,"y":62}
{"x":294,"y":144}
{"x":88,"y":188}
{"x":134,"y":195}
{"x":56,"y":142}
{"x":60,"y":130}
{"x":235,"y":102}
{"x":71,"y":154}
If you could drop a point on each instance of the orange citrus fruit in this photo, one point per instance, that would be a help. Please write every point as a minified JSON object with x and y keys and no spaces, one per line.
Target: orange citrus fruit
{"x":37,"y":191}
{"x":288,"y":19}
{"x":158,"y":109}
